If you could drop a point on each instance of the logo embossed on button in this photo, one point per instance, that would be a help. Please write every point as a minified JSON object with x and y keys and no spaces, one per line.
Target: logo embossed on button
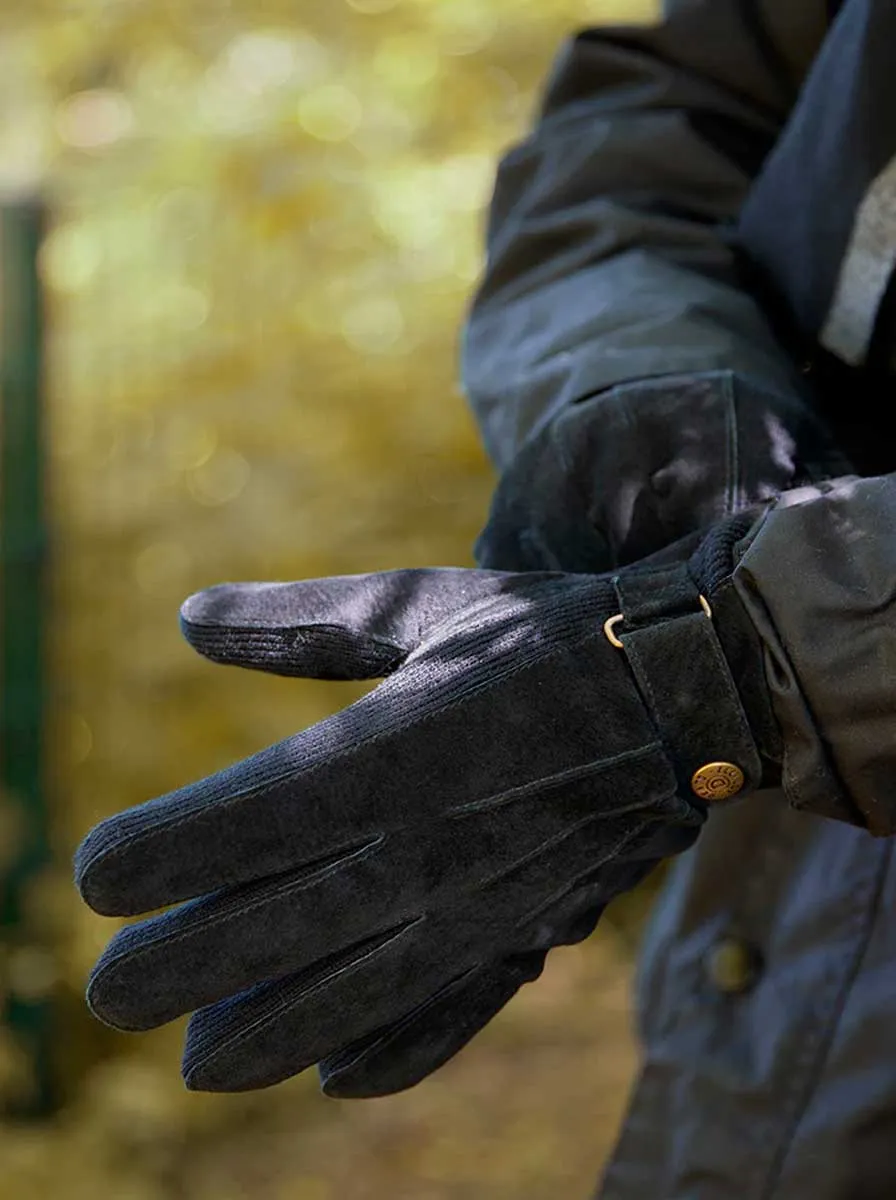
{"x":717,"y":780}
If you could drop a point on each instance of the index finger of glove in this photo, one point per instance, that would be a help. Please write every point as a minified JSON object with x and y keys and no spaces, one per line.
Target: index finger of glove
{"x":322,"y":792}
{"x":294,"y":804}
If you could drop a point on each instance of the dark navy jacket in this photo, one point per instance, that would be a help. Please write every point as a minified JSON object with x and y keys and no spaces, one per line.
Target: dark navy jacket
{"x":689,"y":307}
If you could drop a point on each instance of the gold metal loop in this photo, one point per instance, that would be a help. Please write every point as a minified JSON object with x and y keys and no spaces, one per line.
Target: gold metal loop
{"x":611,"y":623}
{"x":609,"y":626}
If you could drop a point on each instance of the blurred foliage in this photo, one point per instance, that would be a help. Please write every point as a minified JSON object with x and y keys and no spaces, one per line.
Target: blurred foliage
{"x":266,"y":222}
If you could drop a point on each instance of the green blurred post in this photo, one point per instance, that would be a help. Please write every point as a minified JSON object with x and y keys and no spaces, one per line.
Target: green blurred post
{"x":23,"y":548}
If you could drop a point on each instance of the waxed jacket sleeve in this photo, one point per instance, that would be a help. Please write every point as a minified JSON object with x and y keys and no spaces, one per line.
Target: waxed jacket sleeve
{"x":817,"y":575}
{"x":607,"y":258}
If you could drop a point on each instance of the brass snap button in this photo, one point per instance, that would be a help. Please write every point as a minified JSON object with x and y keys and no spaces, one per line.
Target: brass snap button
{"x":717,"y":781}
{"x":732,"y":966}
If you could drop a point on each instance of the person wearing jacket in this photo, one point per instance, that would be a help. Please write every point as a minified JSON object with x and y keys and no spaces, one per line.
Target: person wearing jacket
{"x":681,"y":358}
{"x":690,"y":260}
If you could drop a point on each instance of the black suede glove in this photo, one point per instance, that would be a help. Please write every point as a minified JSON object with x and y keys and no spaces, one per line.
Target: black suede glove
{"x":368,"y":893}
{"x":638,"y":468}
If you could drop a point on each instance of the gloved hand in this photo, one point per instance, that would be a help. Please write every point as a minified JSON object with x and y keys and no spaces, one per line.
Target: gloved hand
{"x":641,"y":466}
{"x":369,"y":892}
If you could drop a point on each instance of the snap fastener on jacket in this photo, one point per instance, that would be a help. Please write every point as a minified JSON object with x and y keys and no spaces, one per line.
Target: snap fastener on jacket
{"x":717,"y":781}
{"x":732,"y":965}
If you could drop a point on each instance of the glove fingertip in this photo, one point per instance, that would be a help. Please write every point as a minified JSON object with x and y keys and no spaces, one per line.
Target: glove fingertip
{"x":90,"y":879}
{"x":209,"y":618}
{"x":211,"y":606}
{"x":111,"y":1006}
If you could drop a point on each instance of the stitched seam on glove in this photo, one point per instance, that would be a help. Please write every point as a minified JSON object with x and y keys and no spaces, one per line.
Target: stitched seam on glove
{"x":398,"y":1027}
{"x":291,"y":996}
{"x":238,"y":908}
{"x":599,"y":862}
{"x":288,"y":997}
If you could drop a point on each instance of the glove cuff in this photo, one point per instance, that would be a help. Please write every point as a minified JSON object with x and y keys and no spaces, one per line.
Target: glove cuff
{"x":666,"y":628}
{"x":712,"y":567}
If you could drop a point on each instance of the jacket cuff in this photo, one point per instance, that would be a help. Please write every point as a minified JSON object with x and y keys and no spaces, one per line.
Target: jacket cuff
{"x":817,"y":575}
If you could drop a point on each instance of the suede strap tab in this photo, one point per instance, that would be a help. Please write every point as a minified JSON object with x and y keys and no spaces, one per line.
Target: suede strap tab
{"x":683,"y":675}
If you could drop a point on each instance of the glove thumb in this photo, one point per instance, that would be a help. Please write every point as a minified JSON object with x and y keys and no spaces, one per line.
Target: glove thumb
{"x":344,"y":627}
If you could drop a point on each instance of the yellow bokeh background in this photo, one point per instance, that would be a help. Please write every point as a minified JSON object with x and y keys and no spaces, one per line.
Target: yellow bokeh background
{"x":265,"y":221}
